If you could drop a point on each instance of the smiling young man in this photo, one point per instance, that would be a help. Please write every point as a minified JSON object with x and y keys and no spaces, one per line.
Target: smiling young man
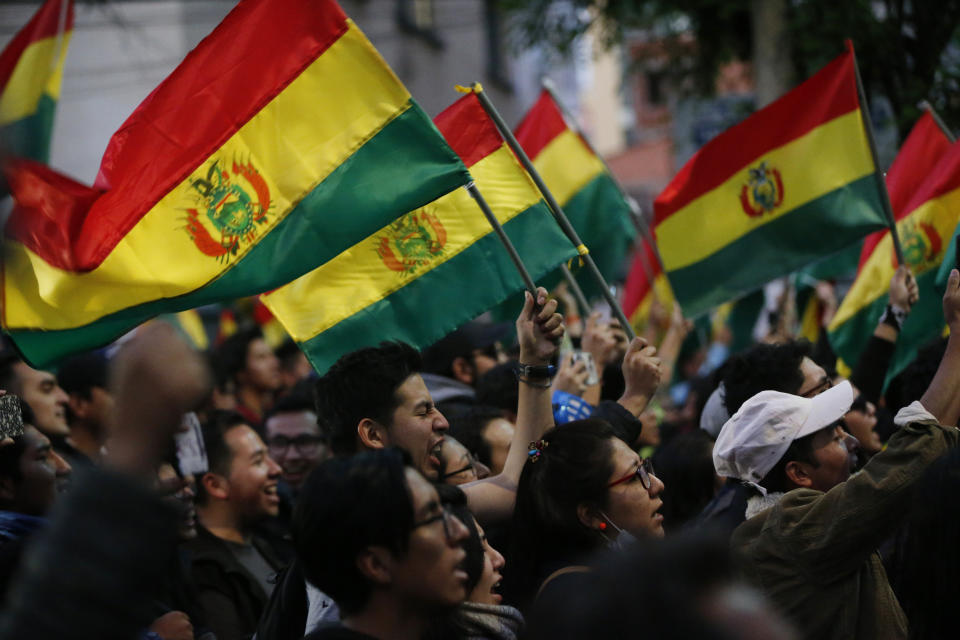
{"x":811,"y":543}
{"x":231,"y":566}
{"x":39,"y":389}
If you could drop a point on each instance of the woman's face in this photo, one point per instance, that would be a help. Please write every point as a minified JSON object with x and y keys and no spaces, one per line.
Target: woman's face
{"x":631,"y":506}
{"x":486,"y":590}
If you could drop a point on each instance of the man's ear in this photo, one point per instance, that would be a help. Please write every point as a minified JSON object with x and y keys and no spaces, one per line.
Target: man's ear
{"x":216,"y":485}
{"x":798,"y":474}
{"x":372,"y":434}
{"x":376,"y":565}
{"x":463,"y":370}
{"x":590,"y":517}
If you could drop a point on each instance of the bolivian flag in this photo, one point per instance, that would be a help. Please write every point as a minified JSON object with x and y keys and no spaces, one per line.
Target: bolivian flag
{"x":423,"y":275}
{"x":640,"y":290}
{"x":931,"y":215}
{"x":581,"y":185}
{"x":278,"y":142}
{"x":794,"y":182}
{"x":31,"y":70}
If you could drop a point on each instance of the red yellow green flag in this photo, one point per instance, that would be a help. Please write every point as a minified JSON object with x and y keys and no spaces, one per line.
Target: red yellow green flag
{"x":278,"y":142}
{"x":792,"y":183}
{"x":31,"y":71}
{"x":423,"y":275}
{"x":646,"y":284}
{"x":924,"y":186}
{"x":583,"y":188}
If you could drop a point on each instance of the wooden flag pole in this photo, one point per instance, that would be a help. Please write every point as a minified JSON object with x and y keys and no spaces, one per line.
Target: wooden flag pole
{"x":881,"y":182}
{"x":504,"y":239}
{"x":558,"y":214}
{"x":926,"y":106}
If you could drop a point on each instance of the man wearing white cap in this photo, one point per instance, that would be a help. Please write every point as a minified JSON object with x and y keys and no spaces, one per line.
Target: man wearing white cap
{"x":811,"y":538}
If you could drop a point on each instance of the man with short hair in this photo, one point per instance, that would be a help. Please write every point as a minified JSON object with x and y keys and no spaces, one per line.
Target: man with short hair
{"x":812,"y":539}
{"x":372,"y":533}
{"x":231,"y":566}
{"x":32,"y":475}
{"x":294,"y":439}
{"x":247,"y":360}
{"x":39,"y":389}
{"x":84,"y":379}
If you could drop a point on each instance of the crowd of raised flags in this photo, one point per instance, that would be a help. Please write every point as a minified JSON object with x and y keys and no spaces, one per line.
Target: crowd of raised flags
{"x":312,"y":177}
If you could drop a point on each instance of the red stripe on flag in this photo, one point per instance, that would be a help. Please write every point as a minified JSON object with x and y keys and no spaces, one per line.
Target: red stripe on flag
{"x":541,"y":125}
{"x":918,"y":156}
{"x":638,"y":285}
{"x":216,"y":89}
{"x":45,"y":23}
{"x":830,"y":93}
{"x":469,"y":130}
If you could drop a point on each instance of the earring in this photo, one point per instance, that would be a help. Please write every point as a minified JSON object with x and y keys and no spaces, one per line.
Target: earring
{"x":602,"y":526}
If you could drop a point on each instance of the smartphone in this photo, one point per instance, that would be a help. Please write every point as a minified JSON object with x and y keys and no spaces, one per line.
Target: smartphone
{"x":11,"y":418}
{"x":587,"y":358}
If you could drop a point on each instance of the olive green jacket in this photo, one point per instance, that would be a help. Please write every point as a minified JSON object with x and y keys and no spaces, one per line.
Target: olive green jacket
{"x":815,"y":554}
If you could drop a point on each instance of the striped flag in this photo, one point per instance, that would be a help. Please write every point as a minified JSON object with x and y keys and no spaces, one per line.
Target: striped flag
{"x":583,"y":188}
{"x":926,"y":224}
{"x":281,"y":140}
{"x":639,"y":292}
{"x":422,"y":276}
{"x":31,"y":71}
{"x":792,"y":183}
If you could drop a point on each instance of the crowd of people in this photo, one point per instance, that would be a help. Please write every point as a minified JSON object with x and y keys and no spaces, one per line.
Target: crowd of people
{"x":541,"y":480}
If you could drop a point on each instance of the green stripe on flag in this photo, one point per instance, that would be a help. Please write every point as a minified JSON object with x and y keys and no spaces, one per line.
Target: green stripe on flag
{"x":802,"y":236}
{"x":324,"y":224}
{"x":923,"y":324}
{"x":450,"y":294}
{"x":30,"y":137}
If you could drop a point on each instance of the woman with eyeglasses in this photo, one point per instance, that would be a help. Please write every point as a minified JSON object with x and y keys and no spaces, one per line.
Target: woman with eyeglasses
{"x":582,"y":490}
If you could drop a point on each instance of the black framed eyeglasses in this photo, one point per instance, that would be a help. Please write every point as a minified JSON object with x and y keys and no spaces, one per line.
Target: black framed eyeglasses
{"x":470,"y":466}
{"x":643,"y":471}
{"x":306,"y":444}
{"x":824,"y":384}
{"x":444,"y":516}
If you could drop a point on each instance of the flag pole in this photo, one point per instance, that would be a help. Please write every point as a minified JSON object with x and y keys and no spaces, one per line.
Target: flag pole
{"x":636,"y":216}
{"x":558,"y":214}
{"x":882,"y":184}
{"x":504,"y":239}
{"x":926,"y":106}
{"x":575,"y":290}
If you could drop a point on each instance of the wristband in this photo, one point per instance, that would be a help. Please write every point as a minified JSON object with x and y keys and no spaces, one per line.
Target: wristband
{"x":894,"y":316}
{"x":536,"y":371}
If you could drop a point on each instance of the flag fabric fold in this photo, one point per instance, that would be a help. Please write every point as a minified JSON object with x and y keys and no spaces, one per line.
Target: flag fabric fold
{"x":790,"y":184}
{"x":423,"y":275}
{"x":31,"y":72}
{"x":277,"y":143}
{"x":929,"y":213}
{"x":583,"y":188}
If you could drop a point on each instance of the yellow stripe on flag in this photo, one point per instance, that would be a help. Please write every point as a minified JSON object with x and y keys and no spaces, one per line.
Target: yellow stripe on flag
{"x":566,"y":166}
{"x":828,"y":157}
{"x":927,"y":227}
{"x":294,"y":143}
{"x":359,"y":277}
{"x":27,"y":82}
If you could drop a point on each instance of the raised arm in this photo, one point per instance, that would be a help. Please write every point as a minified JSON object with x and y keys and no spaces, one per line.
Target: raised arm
{"x":539,"y":329}
{"x":942,"y":397}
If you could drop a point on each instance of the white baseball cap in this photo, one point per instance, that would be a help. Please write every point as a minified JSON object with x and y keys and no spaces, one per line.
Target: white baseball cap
{"x":752,"y":442}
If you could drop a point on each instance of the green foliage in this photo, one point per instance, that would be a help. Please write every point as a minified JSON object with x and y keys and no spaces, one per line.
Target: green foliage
{"x":908,"y":50}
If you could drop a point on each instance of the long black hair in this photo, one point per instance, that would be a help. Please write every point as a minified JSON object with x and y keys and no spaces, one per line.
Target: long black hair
{"x":573,"y":469}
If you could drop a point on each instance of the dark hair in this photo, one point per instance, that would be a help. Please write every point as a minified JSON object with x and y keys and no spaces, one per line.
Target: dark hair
{"x":219,"y":455}
{"x":456,"y":500}
{"x":499,"y":388}
{"x":293,"y":402}
{"x":800,"y":450}
{"x":287,"y":353}
{"x":685,"y":465}
{"x":81,"y":373}
{"x":467,"y":428}
{"x":764,"y":367}
{"x":345,"y":506}
{"x":573,"y":469}
{"x":230,"y":358}
{"x":925,"y":567}
{"x":362,"y":384}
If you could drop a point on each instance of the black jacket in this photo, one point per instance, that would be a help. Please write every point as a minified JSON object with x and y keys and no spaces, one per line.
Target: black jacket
{"x":231,"y":598}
